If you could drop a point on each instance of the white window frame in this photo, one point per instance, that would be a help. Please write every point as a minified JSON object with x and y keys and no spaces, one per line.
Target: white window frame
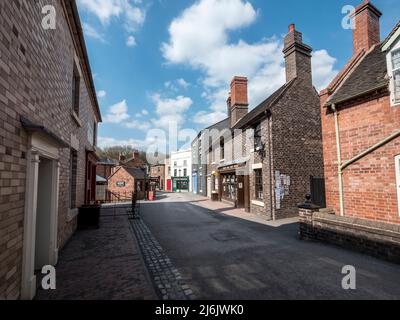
{"x":391,"y":71}
{"x":397,"y":168}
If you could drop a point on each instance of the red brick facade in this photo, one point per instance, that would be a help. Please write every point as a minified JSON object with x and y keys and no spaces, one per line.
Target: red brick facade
{"x":369,"y":184}
{"x":36,"y":71}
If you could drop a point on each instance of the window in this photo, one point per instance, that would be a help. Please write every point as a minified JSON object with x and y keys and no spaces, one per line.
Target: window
{"x":222,"y":147}
{"x":185,"y":172}
{"x":73,"y":168}
{"x":259,"y":184}
{"x":396,"y":74}
{"x":95,"y":134}
{"x":229,"y":187}
{"x":175,"y":164}
{"x":169,"y":171}
{"x":185,"y":163}
{"x":257,"y":136}
{"x":175,"y":173}
{"x":75,"y":91}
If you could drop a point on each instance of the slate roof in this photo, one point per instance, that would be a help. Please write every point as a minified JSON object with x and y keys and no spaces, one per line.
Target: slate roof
{"x":135,"y":172}
{"x":108,"y":161}
{"x":369,"y":75}
{"x":263,"y":106}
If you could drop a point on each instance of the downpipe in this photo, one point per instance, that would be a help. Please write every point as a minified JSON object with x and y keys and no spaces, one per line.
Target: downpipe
{"x":339,"y":159}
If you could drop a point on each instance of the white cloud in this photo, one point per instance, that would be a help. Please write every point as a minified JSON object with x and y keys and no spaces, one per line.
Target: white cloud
{"x":199,"y":37}
{"x":131,"y":41}
{"x":170,"y":111}
{"x":104,"y":142}
{"x":145,"y":112}
{"x":177,"y":84}
{"x":92,"y":32}
{"x":117,"y":113}
{"x":182,"y":83}
{"x":102,"y":94}
{"x":323,"y":69}
{"x":133,"y":16}
{"x":138,"y":125}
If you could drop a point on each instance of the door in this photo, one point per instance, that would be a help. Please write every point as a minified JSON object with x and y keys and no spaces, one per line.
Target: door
{"x":169,"y":185}
{"x":318,"y":191}
{"x":240,"y":192}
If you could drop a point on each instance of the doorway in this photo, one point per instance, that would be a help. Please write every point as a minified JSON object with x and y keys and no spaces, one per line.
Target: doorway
{"x":41,"y":211}
{"x":43,"y":214}
{"x":240,"y":192}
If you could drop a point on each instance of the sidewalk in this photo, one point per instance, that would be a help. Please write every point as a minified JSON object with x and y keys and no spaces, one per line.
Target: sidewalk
{"x":103,"y":264}
{"x":229,"y":210}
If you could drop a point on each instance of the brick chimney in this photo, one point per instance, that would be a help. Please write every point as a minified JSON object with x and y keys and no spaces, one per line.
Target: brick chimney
{"x":297,"y":56}
{"x":239,"y":103}
{"x":136,"y":154}
{"x":366,"y":31}
{"x":122,"y":158}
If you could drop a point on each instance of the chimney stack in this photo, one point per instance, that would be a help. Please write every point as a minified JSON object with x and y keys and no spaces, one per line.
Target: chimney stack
{"x":297,"y":56}
{"x":121,"y":158}
{"x":239,"y":103}
{"x":366,"y":31}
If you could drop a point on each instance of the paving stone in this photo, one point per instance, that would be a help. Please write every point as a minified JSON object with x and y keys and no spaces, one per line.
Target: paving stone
{"x":160,"y":266}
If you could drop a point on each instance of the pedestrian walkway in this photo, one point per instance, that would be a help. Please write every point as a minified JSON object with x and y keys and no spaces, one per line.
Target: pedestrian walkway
{"x":230,"y":210}
{"x":103,"y":264}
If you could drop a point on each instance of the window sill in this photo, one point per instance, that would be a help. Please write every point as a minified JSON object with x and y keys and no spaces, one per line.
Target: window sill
{"x":258,"y":203}
{"x":72,"y":214}
{"x":76,"y":118}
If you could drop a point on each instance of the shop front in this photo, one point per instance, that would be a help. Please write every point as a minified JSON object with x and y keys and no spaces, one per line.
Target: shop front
{"x":180,"y":184}
{"x":234,"y":187}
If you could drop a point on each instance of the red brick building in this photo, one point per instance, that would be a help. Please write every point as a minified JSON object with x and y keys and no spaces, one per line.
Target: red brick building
{"x":48,"y":124}
{"x":361,"y":125}
{"x":361,"y":141}
{"x":157,"y":176}
{"x":125,"y":181}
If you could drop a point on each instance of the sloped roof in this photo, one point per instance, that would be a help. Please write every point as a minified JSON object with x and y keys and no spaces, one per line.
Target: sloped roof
{"x":108,"y":161}
{"x":135,"y":172}
{"x":264,"y":106}
{"x":369,"y":75}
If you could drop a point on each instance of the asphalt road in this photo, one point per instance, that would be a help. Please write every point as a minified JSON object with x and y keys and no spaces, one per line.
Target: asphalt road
{"x":223,"y":257}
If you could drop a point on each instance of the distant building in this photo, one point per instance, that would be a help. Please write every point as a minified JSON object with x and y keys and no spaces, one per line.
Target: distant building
{"x":168,"y":177}
{"x":157,"y":176}
{"x":124,"y":182}
{"x":106,"y":167}
{"x":181,"y":168}
{"x":135,"y":161}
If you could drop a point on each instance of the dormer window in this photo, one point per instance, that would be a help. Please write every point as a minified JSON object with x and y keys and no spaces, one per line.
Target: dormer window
{"x":396,"y":74}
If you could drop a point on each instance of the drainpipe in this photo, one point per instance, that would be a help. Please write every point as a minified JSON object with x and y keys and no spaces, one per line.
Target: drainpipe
{"x":339,"y":159}
{"x":271,"y":189}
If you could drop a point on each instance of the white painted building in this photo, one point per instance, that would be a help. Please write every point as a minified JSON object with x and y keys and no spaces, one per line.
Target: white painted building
{"x":181,"y":170}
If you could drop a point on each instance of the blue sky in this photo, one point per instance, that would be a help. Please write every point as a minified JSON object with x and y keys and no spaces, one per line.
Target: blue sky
{"x":160,"y":62}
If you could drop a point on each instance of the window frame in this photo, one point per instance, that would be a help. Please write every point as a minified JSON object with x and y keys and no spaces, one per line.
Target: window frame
{"x":258,"y":185}
{"x":76,"y":86}
{"x":257,"y":136}
{"x":393,"y":71}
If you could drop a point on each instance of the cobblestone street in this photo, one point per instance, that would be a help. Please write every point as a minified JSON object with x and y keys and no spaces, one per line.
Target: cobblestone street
{"x":103,"y":264}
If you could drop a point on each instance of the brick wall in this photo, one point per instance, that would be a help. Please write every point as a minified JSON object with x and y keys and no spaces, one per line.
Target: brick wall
{"x":36,"y":68}
{"x":297,"y":143}
{"x":375,"y":238}
{"x":369,"y":184}
{"x":130,"y":184}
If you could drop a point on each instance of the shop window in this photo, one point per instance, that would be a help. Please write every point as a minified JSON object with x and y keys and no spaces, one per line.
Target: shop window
{"x":259,"y":185}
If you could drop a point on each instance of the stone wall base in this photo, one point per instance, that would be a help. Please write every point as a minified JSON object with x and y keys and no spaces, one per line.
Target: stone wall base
{"x":378,"y":239}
